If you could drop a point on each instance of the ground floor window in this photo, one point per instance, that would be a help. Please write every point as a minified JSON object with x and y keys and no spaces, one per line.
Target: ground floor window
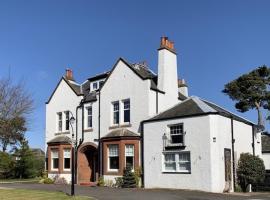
{"x":67,"y":159}
{"x":113,"y":157}
{"x":55,"y":159}
{"x":176,"y":162}
{"x":129,"y":155}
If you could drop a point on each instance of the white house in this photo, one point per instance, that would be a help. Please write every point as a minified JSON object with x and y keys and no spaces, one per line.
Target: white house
{"x":130,"y":116}
{"x":266,"y":150}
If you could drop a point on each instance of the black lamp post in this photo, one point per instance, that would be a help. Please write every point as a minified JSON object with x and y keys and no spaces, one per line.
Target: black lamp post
{"x":73,"y":143}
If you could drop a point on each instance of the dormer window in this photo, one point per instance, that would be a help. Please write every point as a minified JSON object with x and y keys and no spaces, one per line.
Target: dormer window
{"x":101,"y":83}
{"x":95,"y":85}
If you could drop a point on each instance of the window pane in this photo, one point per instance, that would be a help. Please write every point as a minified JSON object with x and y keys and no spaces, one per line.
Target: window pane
{"x":59,"y":121}
{"x":176,"y":139}
{"x":66,"y":153}
{"x":67,"y":120}
{"x":114,"y":162}
{"x":129,"y":161}
{"x":55,"y":163}
{"x":184,"y":161}
{"x":176,"y":133}
{"x":129,"y":151}
{"x":54,"y":153}
{"x":67,"y":163}
{"x":113,"y":150}
{"x":126,"y":115}
{"x":89,"y":116}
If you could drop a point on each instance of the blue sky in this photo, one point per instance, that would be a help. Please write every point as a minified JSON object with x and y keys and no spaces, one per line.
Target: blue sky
{"x":216,"y":42}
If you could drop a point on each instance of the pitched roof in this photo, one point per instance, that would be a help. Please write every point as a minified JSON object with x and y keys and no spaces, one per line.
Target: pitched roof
{"x":265,"y":143}
{"x":60,"y":140}
{"x":99,"y":76}
{"x":121,"y":132}
{"x":194,"y":106}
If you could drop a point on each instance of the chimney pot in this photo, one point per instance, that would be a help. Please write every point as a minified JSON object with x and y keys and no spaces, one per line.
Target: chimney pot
{"x":69,"y":74}
{"x":165,"y":42}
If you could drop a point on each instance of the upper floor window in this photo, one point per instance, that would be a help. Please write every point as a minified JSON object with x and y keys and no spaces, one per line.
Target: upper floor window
{"x":116,"y":112}
{"x":176,"y":134}
{"x":113,"y":158}
{"x":67,"y":120}
{"x":67,"y":158}
{"x":95,"y":86}
{"x":89,"y":117}
{"x":101,"y":83}
{"x":176,"y":162}
{"x":59,"y":115}
{"x":126,"y":110}
{"x":129,"y":154}
{"x":54,"y":159}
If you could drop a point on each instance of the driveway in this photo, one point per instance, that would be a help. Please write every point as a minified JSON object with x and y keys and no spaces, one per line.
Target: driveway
{"x":104,"y":193}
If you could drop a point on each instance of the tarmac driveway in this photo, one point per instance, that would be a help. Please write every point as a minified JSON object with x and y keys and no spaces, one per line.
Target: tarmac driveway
{"x":104,"y":193}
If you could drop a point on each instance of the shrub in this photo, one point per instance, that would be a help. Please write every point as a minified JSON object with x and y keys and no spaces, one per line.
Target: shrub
{"x":47,"y":181}
{"x":101,"y":181}
{"x":118,"y":182}
{"x":250,"y":170}
{"x":138,"y":174}
{"x":129,"y":180}
{"x":6,"y":165}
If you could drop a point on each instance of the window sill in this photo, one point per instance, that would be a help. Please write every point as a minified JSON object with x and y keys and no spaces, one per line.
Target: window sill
{"x":120,"y":126}
{"x":88,"y":130}
{"x":60,"y":133}
{"x":168,"y":172}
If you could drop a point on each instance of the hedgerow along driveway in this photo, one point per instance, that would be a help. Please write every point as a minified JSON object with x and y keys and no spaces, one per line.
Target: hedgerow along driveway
{"x":104,"y":193}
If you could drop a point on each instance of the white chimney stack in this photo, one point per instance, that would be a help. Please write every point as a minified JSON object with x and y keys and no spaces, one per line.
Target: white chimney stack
{"x":167,"y":71}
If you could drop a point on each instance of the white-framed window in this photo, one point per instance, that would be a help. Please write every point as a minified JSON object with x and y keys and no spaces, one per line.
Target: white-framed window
{"x":67,"y":120}
{"x":176,"y":134}
{"x":59,"y":121}
{"x":54,"y":159}
{"x":126,"y":107}
{"x":176,"y":162}
{"x":129,"y":156}
{"x":95,"y":85}
{"x":113,"y":157}
{"x":89,"y":117}
{"x":116,"y":115}
{"x":67,"y":156}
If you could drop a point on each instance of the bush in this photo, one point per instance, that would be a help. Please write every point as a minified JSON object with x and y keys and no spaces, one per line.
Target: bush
{"x":101,"y":181}
{"x":129,"y":180}
{"x":118,"y":182}
{"x":47,"y":181}
{"x":250,"y":170}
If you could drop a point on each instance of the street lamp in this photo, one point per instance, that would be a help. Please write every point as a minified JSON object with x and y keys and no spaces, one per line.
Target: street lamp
{"x":73,"y":143}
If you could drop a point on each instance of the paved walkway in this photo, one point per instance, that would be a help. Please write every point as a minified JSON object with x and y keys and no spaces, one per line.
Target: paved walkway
{"x":104,"y":193}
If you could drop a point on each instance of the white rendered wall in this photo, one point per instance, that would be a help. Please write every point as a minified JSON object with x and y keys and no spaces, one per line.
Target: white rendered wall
{"x":123,"y":84}
{"x":64,"y":99}
{"x":167,"y":79}
{"x":197,"y":141}
{"x":66,"y":176}
{"x":266,"y":160}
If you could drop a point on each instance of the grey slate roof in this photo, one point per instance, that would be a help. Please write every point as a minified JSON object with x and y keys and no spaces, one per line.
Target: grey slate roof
{"x":143,"y":70}
{"x":121,"y":132}
{"x":194,"y":106}
{"x":60,"y":139}
{"x":265,"y":143}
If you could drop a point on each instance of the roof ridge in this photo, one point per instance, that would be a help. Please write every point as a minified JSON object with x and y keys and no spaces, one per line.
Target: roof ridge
{"x":202,"y":105}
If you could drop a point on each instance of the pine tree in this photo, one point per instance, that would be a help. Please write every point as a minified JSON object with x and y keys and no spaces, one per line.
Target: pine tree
{"x":129,"y":180}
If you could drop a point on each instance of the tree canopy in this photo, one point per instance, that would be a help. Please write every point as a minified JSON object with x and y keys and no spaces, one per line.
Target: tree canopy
{"x":15,"y":106}
{"x":251,"y":91}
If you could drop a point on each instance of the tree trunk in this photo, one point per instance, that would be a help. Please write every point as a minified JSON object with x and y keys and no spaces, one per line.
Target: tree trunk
{"x":260,"y":119}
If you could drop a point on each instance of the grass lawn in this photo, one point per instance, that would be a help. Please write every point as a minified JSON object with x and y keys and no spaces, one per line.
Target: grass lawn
{"x":19,"y":194}
{"x":32,"y":180}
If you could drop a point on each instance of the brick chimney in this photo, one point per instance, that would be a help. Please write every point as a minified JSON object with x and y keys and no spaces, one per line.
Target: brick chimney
{"x":166,"y":43}
{"x":69,"y":74}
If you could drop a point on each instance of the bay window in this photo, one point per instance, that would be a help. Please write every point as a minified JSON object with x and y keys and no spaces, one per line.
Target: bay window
{"x":113,"y":158}
{"x":67,"y":153}
{"x":129,"y":155}
{"x":54,"y":159}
